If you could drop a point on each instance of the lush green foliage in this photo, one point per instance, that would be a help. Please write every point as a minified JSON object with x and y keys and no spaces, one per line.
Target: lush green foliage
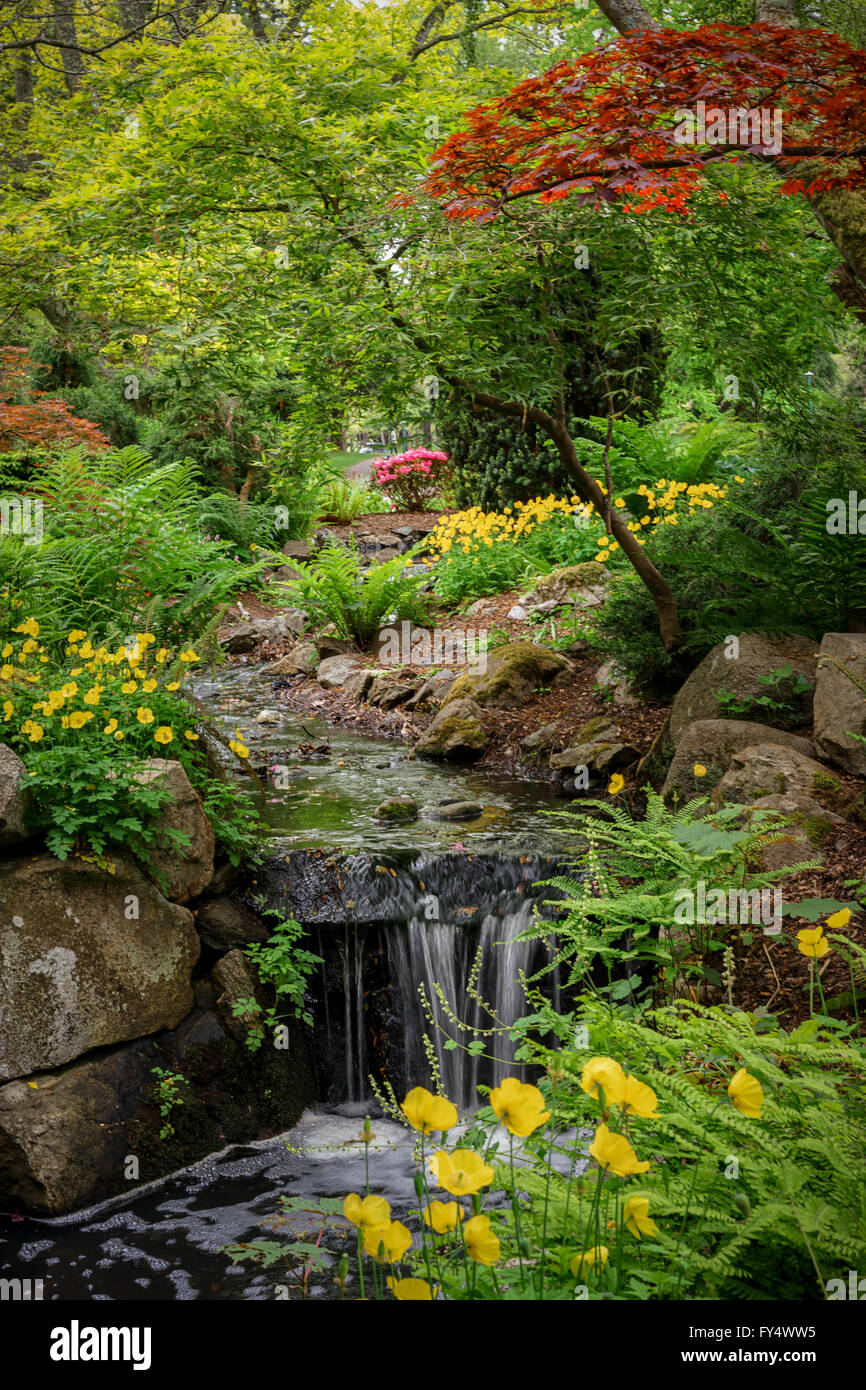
{"x":122,"y":551}
{"x":285,"y":966}
{"x":335,"y":587}
{"x":624,"y":910}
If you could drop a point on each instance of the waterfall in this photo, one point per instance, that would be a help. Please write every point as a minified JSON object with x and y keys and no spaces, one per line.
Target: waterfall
{"x":391,"y":926}
{"x":427,"y":954}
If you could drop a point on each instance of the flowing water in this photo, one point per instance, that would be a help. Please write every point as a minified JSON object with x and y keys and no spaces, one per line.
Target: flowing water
{"x":423,"y":929}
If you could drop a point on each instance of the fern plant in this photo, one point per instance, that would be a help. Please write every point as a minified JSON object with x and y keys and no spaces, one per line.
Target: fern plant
{"x":639,"y":878}
{"x":770,"y":1206}
{"x":336,"y":588}
{"x":122,"y":541}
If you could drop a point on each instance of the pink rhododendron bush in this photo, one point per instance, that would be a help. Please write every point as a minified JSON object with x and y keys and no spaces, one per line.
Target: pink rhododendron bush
{"x":413,"y":479}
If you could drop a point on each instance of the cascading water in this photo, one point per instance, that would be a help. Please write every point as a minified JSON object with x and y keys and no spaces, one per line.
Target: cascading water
{"x":418,"y":951}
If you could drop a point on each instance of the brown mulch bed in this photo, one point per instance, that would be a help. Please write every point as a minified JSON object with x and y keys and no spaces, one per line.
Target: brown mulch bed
{"x":377,"y":523}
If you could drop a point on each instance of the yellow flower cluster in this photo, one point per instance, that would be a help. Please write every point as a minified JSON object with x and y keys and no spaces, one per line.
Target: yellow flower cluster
{"x":98,"y":678}
{"x":450,"y":1233}
{"x":477,"y":527}
{"x":663,"y":503}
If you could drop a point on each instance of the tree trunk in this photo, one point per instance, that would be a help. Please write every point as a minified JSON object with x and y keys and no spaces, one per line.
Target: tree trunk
{"x":588,"y":490}
{"x":63,"y":24}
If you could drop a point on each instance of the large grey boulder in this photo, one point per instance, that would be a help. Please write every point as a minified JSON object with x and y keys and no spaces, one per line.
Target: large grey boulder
{"x":334,"y":671}
{"x":14,"y":798}
{"x":63,"y":1137}
{"x":87,"y":959}
{"x":840,"y":703}
{"x":758,"y":656}
{"x":712,"y":743}
{"x":513,"y":674}
{"x":302,"y":660}
{"x":181,"y":873}
{"x":771,"y":769}
{"x":456,"y":735}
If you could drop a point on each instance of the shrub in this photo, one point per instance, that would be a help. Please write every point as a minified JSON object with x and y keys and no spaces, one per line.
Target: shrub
{"x":84,"y":719}
{"x":412,"y":480}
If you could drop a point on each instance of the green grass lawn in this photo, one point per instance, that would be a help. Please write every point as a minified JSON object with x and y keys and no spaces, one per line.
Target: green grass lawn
{"x":345,"y":460}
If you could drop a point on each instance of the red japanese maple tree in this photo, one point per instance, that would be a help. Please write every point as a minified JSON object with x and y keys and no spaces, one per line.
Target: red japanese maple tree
{"x":606,"y":124}
{"x":36,"y":418}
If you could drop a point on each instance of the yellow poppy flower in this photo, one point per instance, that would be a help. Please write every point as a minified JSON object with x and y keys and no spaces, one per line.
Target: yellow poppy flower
{"x":30,"y":627}
{"x":813,"y":942}
{"x":482,"y":1244}
{"x":188,"y":655}
{"x":149,"y":686}
{"x":588,"y":1259}
{"x":6,"y":673}
{"x":640,"y":1099}
{"x":839,"y":919}
{"x":8,"y":711}
{"x":410,"y":1290}
{"x":519,"y":1107}
{"x":461,"y":1172}
{"x":747,"y":1093}
{"x":129,"y":686}
{"x":188,"y":733}
{"x":427,"y":1112}
{"x":79,"y":718}
{"x":164,"y":734}
{"x":92,"y":696}
{"x":388,"y":1244}
{"x":161,"y":656}
{"x":615,"y":1153}
{"x":175,"y":685}
{"x":616,"y":784}
{"x":443,"y":1216}
{"x":69,"y":689}
{"x":699,"y":770}
{"x":110,"y":726}
{"x":637,"y":1217}
{"x":76,"y":635}
{"x":239,"y":748}
{"x":144,"y":715}
{"x":366,"y":1212}
{"x":603,"y":1074}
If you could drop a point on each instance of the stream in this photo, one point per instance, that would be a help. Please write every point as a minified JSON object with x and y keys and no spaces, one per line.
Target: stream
{"x":389,"y":908}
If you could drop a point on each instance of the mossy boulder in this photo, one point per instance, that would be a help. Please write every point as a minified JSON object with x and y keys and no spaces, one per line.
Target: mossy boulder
{"x":397,"y":810}
{"x":584,"y":584}
{"x":713,"y":743}
{"x":512,"y":675}
{"x":456,"y":735}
